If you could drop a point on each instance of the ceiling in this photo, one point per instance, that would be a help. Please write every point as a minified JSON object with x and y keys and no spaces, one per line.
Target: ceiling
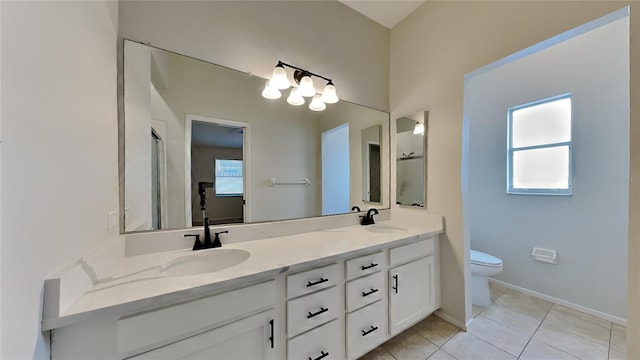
{"x":385,"y":12}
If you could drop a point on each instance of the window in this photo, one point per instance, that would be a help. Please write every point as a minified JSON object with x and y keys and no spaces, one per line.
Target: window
{"x":229,"y":177}
{"x":539,"y":147}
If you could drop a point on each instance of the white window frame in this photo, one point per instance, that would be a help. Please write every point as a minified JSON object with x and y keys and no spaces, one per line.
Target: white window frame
{"x":511,"y":150}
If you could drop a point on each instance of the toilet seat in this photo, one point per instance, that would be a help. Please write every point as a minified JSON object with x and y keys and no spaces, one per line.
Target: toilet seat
{"x":482,"y":259}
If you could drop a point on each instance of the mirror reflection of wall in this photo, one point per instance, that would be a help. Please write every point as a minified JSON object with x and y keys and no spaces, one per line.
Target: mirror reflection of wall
{"x":162,"y":89}
{"x":411,"y":132}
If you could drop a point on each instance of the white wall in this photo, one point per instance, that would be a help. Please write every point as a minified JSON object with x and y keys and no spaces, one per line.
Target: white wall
{"x":588,"y":229}
{"x":325,"y":37}
{"x":59,"y":157}
{"x":431,"y":51}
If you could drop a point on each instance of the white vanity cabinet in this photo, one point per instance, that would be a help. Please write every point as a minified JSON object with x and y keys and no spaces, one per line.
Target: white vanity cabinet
{"x":313,"y":307}
{"x":338,"y":308}
{"x":209,"y":327}
{"x":249,"y":338}
{"x":411,"y":284}
{"x":366,"y":319}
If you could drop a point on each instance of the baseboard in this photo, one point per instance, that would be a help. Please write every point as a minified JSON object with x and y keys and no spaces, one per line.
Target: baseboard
{"x":600,"y":314}
{"x":448,"y":318}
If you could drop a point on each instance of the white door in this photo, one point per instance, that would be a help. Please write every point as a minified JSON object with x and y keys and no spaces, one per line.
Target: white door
{"x":411,"y":293}
{"x":335,"y":171}
{"x":251,"y":338}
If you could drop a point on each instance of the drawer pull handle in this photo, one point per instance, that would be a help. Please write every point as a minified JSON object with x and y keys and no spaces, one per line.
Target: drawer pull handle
{"x":367,"y":332}
{"x":272,"y":332}
{"x":373,"y":291}
{"x":309,"y":284}
{"x":322,"y":310}
{"x":322,"y":356}
{"x":366,"y":267}
{"x":395,"y":277}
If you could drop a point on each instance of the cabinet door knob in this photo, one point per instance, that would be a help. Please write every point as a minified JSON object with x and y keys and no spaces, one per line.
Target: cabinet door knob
{"x":309,"y":284}
{"x":322,"y":310}
{"x":367,"y":332}
{"x":373,"y":291}
{"x":395,"y":277}
{"x":322,"y":356}
{"x":272,"y":332}
{"x":365,"y":267}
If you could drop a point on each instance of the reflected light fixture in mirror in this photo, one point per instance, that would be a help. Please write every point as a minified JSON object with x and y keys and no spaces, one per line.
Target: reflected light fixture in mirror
{"x":280,"y":81}
{"x":418,"y":129}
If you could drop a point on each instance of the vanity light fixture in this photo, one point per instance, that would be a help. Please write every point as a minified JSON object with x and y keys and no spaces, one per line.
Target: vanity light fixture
{"x":271,"y":92}
{"x":295,"y":98}
{"x":280,"y":81}
{"x":317,"y":104}
{"x":418,"y":129}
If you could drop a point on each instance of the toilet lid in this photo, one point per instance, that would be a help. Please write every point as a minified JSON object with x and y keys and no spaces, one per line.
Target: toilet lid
{"x":480,"y":258}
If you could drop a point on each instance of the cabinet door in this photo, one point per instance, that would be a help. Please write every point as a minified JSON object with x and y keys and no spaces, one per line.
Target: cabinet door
{"x":250,"y":338}
{"x":411,"y":293}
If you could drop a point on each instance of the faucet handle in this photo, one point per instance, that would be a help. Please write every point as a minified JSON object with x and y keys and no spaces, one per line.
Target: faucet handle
{"x":197,"y":245}
{"x":216,"y":240}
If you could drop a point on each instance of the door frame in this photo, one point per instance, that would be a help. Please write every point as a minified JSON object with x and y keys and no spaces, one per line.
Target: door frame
{"x":246,"y":169}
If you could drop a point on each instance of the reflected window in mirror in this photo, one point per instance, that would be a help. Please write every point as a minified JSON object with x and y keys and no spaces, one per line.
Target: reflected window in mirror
{"x":411,"y":134}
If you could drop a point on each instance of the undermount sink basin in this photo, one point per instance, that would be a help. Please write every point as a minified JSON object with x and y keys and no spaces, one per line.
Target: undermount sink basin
{"x":204,"y":261}
{"x":385,"y":229}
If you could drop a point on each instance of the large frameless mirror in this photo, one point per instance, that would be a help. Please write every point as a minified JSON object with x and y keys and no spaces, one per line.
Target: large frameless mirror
{"x":199,"y":140}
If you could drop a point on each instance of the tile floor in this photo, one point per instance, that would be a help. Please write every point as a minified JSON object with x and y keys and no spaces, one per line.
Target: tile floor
{"x":514,"y":326}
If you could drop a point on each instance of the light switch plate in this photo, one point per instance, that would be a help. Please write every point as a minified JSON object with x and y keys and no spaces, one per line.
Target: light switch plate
{"x":112,"y":220}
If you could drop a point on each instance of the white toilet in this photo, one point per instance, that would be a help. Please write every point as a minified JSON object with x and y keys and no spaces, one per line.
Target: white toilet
{"x":482,"y":266}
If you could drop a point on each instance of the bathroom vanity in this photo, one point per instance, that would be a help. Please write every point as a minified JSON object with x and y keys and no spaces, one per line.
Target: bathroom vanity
{"x":330,"y":294}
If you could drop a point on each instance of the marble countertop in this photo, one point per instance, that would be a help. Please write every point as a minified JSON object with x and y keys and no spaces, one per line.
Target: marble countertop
{"x":137,"y":282}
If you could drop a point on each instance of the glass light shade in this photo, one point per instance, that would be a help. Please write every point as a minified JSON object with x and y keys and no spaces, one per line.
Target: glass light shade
{"x":418,"y":129}
{"x":306,"y":88}
{"x":270,"y":92}
{"x":329,"y":95}
{"x":295,"y":98}
{"x":317,"y":104}
{"x":279,"y":78}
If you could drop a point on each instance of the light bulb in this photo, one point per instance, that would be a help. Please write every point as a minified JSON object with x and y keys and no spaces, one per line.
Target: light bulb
{"x":418,"y":129}
{"x":270,"y":92}
{"x":295,"y":98}
{"x":279,"y":78}
{"x":329,"y":95}
{"x":306,"y":88}
{"x":317,"y":104}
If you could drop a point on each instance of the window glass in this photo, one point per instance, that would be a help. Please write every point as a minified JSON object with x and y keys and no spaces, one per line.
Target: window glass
{"x":540,"y":148}
{"x":229,"y":180}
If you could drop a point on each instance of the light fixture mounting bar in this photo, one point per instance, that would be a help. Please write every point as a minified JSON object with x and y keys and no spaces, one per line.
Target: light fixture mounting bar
{"x":304,"y":71}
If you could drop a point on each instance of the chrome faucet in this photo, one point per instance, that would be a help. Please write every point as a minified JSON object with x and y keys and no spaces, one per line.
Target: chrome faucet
{"x":368,"y":218}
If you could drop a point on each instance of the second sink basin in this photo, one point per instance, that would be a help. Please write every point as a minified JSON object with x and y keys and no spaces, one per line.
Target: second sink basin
{"x":384,"y":229}
{"x":204,"y":261}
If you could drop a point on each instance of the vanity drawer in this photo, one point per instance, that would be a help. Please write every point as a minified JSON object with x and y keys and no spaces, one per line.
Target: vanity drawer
{"x":311,"y":280}
{"x":365,"y":290}
{"x":309,"y":311}
{"x":320,"y":343}
{"x":156,"y":328}
{"x":406,"y":253}
{"x":366,"y":329}
{"x":364,"y":265}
